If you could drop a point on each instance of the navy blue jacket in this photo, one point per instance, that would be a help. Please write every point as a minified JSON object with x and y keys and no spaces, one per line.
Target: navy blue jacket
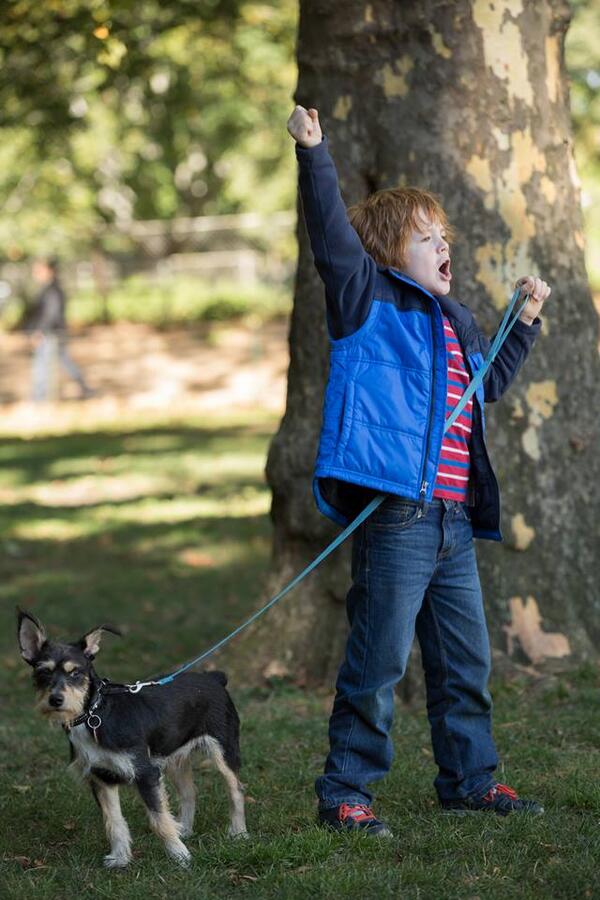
{"x":385,"y":401}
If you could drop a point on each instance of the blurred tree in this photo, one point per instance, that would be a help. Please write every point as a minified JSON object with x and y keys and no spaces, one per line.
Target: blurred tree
{"x":113,"y":111}
{"x":468,"y":99}
{"x":583,"y":63}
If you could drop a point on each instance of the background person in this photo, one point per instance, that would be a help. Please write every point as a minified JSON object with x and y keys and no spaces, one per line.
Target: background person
{"x":49,"y":328}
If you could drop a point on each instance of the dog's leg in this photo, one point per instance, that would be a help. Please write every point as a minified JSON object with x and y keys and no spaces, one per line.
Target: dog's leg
{"x":237,"y":826}
{"x":182,"y":776}
{"x":117,"y":830}
{"x":152,"y":790}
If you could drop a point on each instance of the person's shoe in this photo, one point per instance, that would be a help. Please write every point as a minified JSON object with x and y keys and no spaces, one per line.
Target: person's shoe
{"x":500,"y":799}
{"x":87,"y":392}
{"x":353,"y":817}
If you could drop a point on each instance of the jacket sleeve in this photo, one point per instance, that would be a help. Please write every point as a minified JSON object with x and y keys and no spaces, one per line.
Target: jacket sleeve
{"x":510,"y":358}
{"x":347,"y":270}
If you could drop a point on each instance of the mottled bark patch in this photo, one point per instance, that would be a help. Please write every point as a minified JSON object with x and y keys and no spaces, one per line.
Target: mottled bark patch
{"x":522,"y":533}
{"x":526,"y":628}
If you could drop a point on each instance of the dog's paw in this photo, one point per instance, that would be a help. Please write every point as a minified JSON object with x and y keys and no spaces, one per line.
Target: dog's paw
{"x":238,"y":835}
{"x":116,"y":861}
{"x":180,"y":854}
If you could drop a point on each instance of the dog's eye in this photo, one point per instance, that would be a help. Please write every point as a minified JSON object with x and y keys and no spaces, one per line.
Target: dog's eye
{"x":42,"y":675}
{"x":74,"y":673}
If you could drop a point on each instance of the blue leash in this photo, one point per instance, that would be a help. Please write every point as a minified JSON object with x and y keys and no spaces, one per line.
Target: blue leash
{"x":503,"y":332}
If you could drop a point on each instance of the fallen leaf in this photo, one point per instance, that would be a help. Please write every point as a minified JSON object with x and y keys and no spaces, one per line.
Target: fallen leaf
{"x":196,"y":559}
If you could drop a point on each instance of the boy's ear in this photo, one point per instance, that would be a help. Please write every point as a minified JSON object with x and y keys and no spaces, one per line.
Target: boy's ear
{"x":32,"y":635}
{"x":90,"y":642}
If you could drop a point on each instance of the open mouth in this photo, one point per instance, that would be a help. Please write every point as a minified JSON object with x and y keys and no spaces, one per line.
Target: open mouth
{"x":444,"y":270}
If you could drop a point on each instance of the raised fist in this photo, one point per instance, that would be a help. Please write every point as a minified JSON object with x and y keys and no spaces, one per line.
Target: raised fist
{"x":304,"y":127}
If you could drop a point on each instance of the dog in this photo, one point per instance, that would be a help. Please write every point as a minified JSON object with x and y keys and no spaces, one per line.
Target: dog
{"x":122,"y":736}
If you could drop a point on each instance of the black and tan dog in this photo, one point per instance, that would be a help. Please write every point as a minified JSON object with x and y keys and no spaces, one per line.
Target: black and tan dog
{"x":119,"y":737}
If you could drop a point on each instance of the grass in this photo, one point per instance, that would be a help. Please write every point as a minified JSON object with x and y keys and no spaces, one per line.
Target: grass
{"x":163,"y":528}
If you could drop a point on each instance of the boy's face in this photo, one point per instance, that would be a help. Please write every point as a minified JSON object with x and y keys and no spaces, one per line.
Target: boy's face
{"x":427,"y":257}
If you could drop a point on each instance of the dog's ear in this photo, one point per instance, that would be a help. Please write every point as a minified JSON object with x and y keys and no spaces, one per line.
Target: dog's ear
{"x":90,"y":642}
{"x":32,"y":636}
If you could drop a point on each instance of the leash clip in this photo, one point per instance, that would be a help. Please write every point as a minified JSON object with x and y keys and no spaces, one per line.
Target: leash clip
{"x":136,"y":688}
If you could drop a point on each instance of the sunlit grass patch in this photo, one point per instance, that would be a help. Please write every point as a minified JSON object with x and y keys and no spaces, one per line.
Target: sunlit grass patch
{"x":47,"y":530}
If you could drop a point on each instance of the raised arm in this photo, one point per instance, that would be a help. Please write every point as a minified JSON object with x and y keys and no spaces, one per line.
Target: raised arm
{"x":345,"y":267}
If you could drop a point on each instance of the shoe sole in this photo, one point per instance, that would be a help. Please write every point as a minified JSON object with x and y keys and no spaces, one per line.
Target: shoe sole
{"x":380,"y":833}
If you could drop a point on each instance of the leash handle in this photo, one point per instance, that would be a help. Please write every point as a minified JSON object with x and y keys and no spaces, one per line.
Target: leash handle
{"x":501,"y":335}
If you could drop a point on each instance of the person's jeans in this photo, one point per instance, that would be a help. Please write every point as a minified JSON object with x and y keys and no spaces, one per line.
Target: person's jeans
{"x":50,"y":350}
{"x":412,"y":573}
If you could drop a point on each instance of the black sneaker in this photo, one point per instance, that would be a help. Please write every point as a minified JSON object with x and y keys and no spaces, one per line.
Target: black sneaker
{"x":500,"y":799}
{"x":353,"y":817}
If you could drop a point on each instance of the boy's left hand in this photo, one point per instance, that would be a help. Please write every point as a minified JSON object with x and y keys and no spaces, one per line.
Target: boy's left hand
{"x":538,"y":292}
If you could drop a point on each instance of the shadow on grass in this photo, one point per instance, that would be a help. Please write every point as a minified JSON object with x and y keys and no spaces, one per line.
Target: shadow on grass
{"x":175,"y":580}
{"x":177,"y":587}
{"x":33,"y":457}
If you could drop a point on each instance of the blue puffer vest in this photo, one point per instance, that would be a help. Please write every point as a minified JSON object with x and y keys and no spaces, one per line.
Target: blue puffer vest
{"x":385,"y":402}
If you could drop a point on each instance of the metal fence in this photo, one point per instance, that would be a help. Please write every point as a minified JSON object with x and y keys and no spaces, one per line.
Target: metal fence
{"x":247,"y":248}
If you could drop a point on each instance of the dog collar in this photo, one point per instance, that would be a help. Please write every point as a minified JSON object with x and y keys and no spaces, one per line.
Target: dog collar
{"x":90,"y":715}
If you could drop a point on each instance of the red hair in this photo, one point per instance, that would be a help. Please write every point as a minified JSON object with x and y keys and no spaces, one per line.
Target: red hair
{"x":385,"y":220}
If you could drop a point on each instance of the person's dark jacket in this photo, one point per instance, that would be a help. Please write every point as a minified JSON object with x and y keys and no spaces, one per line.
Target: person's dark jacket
{"x":49,"y":312}
{"x":385,"y":402}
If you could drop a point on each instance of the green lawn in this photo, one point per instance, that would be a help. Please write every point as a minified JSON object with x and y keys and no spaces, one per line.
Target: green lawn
{"x":162,"y":527}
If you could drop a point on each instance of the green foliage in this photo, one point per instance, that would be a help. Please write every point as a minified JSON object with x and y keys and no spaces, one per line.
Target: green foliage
{"x":583,"y":63}
{"x":112,"y":111}
{"x":175,"y":301}
{"x":118,"y":111}
{"x":180,"y":300}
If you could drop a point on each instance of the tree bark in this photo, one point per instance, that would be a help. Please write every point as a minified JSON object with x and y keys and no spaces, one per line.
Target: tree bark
{"x":468,"y":99}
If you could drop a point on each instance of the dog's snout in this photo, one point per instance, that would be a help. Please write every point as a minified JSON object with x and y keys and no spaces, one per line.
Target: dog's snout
{"x":56,"y":700}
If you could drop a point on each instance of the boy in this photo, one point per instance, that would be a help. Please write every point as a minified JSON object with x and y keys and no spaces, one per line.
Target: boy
{"x":402,"y":353}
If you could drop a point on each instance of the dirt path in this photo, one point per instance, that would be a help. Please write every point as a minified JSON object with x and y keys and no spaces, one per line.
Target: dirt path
{"x":135,"y":368}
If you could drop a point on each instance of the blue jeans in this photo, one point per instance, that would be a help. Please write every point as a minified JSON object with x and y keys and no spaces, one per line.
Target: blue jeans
{"x":412,"y":573}
{"x":51,"y":350}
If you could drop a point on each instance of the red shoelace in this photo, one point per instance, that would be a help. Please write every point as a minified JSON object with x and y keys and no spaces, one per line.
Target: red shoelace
{"x":357,"y":812}
{"x":500,"y":789}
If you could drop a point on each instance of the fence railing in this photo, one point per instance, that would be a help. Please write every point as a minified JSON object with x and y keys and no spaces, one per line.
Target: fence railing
{"x":245,"y":247}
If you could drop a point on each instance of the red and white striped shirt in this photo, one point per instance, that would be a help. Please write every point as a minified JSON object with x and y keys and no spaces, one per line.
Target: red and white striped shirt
{"x":452,"y":477}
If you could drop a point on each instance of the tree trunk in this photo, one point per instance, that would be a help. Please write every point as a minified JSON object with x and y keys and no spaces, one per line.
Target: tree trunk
{"x":467,"y":99}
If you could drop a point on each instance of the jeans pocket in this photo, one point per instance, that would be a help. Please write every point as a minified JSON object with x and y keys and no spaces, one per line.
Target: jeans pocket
{"x":395,"y":513}
{"x":465,"y":511}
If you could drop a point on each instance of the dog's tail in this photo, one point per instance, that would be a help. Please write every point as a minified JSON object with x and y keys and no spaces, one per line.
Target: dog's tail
{"x":221,"y":677}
